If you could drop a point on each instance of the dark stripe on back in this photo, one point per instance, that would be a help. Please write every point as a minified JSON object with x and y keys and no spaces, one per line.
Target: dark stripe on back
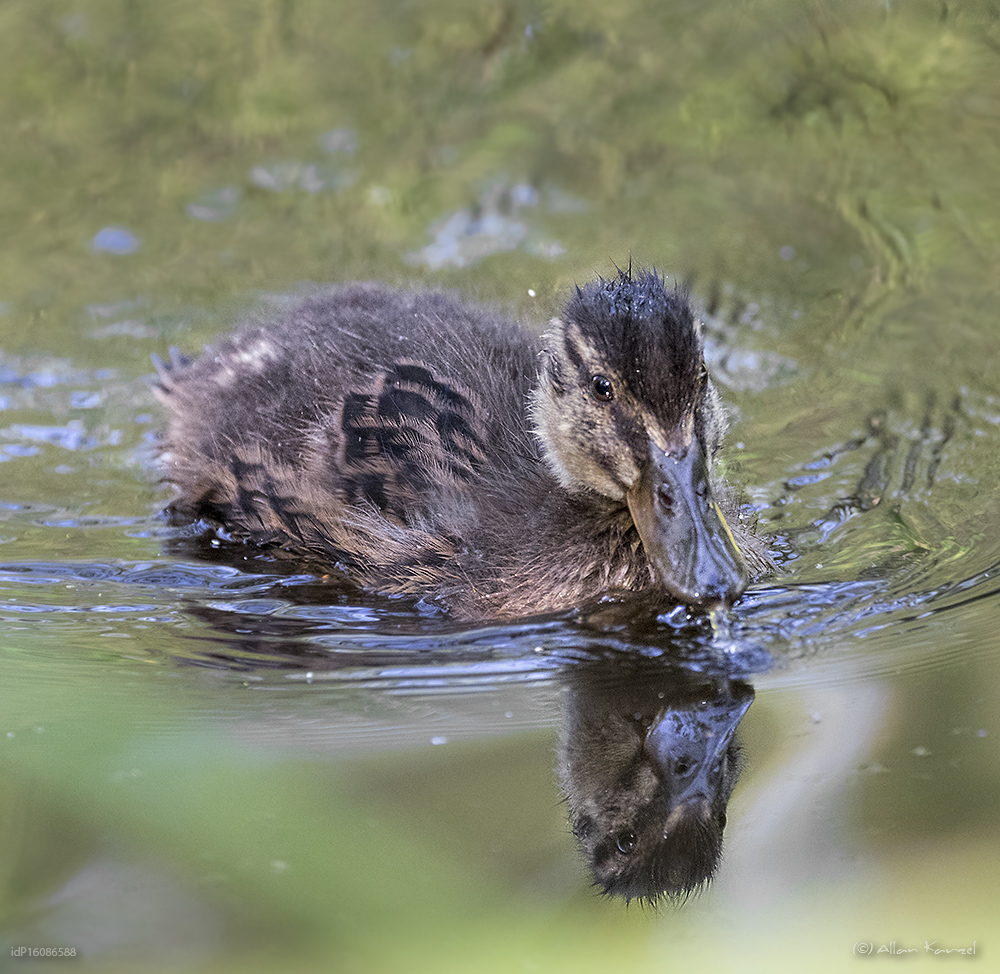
{"x":397,"y":439}
{"x":419,"y":376}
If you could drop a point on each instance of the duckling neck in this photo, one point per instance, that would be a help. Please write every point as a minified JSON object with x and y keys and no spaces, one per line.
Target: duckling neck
{"x":569,"y":548}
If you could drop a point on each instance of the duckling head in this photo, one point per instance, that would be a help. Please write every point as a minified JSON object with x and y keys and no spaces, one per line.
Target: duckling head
{"x":624,"y":407}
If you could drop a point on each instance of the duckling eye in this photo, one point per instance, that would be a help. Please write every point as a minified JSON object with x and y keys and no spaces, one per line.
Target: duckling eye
{"x":601,"y":388}
{"x":625,"y":842}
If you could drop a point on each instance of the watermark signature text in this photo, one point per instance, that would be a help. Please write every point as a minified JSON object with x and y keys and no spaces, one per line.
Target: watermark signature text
{"x":868,"y":948}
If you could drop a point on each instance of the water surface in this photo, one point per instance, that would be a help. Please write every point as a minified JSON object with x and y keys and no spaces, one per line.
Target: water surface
{"x":213,"y":762}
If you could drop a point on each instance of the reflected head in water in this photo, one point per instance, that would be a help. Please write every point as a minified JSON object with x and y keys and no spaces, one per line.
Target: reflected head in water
{"x":648,"y":761}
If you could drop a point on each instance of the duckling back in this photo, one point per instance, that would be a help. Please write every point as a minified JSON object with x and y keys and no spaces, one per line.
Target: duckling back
{"x":364,"y":427}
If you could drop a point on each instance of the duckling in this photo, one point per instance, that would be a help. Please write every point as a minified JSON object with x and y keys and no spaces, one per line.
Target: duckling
{"x":419,"y":445}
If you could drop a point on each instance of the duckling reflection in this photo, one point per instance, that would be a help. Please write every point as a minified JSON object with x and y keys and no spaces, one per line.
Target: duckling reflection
{"x":648,"y":754}
{"x":648,"y":761}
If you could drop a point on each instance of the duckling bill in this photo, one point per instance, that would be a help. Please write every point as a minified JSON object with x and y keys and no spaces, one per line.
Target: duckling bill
{"x":424,"y":446}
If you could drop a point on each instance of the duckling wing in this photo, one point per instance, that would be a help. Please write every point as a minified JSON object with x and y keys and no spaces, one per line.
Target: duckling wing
{"x":364,"y":427}
{"x":385,"y":482}
{"x":401,"y":443}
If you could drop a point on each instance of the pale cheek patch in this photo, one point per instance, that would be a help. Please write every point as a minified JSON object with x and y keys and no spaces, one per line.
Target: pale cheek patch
{"x":628,"y":472}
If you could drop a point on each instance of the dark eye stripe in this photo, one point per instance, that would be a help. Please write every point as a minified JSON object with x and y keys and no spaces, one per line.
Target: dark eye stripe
{"x":573,"y":353}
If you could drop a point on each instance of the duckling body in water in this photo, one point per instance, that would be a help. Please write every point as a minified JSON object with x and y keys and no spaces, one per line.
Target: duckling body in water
{"x":423,"y":446}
